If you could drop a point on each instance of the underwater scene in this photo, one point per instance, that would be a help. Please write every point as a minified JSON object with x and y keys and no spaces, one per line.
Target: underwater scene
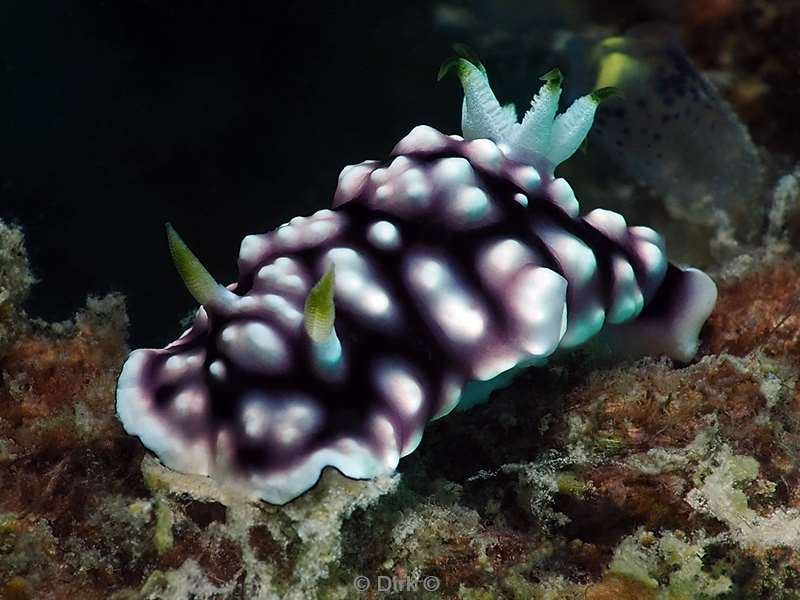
{"x":449,"y":299}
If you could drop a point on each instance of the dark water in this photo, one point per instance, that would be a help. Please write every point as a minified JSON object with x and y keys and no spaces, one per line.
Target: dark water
{"x":225,"y":118}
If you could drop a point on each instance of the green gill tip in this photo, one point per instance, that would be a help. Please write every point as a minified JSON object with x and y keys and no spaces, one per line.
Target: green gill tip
{"x":465,"y":56}
{"x":605,"y":93}
{"x":553,"y":78}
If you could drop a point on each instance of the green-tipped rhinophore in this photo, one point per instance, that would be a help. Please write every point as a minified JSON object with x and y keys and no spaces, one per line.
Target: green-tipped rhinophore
{"x":319,"y":312}
{"x":198,"y":280}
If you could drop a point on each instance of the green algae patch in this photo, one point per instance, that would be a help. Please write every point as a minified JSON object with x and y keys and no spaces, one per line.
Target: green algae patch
{"x":162,"y":535}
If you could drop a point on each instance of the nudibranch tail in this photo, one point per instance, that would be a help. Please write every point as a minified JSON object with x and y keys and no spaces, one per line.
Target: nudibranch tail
{"x":672,"y":322}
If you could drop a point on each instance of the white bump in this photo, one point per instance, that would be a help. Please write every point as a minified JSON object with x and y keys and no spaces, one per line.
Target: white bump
{"x":650,"y":254}
{"x":224,"y":449}
{"x":297,"y":419}
{"x":195,"y":360}
{"x":522,"y":199}
{"x":421,"y":139}
{"x":399,"y":164}
{"x":444,"y":300}
{"x":376,"y":302}
{"x":318,"y":230}
{"x":255,"y":346}
{"x":253,"y":248}
{"x":351,"y":181}
{"x":414,"y":187}
{"x":230,"y":334}
{"x":175,"y":366}
{"x":263,"y":338}
{"x":217,"y":369}
{"x":246,"y":303}
{"x":400,"y":388}
{"x":293,"y":283}
{"x":283,"y":311}
{"x":379,"y":176}
{"x":450,"y":172}
{"x":576,"y":258}
{"x":460,"y":317}
{"x":500,"y":260}
{"x":427,"y":273}
{"x":485,"y":154}
{"x":189,"y":403}
{"x":450,"y":395}
{"x":412,"y":443}
{"x":288,"y":235}
{"x":609,"y":223}
{"x":418,"y":192}
{"x":384,"y":235}
{"x":527,"y":178}
{"x":653,"y":261}
{"x":285,"y":420}
{"x":284,"y":263}
{"x":492,"y":364}
{"x":383,"y":193}
{"x":579,"y":266}
{"x":385,"y":435}
{"x":349,"y":283}
{"x":627,"y":297}
{"x":537,"y":300}
{"x":648,"y":234}
{"x":282,"y":275}
{"x":267,"y":273}
{"x":563,"y":195}
{"x":470,"y":206}
{"x":256,"y":416}
{"x":648,"y":247}
{"x":358,"y":287}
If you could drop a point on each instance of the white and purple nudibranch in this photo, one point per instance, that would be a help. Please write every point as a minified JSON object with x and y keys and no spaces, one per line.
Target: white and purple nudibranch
{"x":458,"y":261}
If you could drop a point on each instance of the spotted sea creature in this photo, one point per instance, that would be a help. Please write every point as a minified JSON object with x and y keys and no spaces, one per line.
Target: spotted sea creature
{"x":435,"y":276}
{"x":671,"y":130}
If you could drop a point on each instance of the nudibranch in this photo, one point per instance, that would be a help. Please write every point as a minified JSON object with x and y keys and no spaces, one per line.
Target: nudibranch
{"x":435,"y":277}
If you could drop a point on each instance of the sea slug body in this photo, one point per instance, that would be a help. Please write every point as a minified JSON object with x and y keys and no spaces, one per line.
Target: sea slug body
{"x":458,"y":261}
